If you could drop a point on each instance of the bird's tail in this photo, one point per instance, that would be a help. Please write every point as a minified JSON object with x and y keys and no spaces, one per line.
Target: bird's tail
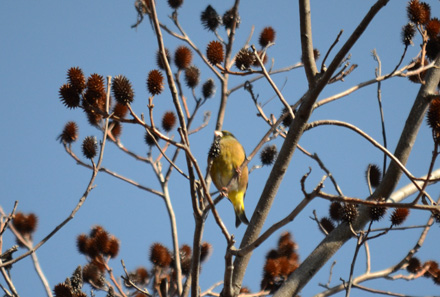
{"x":240,"y":216}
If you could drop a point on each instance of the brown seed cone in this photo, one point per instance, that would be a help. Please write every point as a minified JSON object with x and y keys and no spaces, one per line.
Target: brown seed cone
{"x":267,"y":36}
{"x":414,"y":265}
{"x":155,"y":82}
{"x":192,"y":76}
{"x":120,"y":110}
{"x":117,"y":129}
{"x":76,"y":79}
{"x":62,"y":290}
{"x":418,"y":12}
{"x":208,"y":89}
{"x":112,"y":247}
{"x":244,"y":59}
{"x":159,"y":61}
{"x":69,"y":134}
{"x":169,"y":121}
{"x":175,"y":4}
{"x":69,"y":96}
{"x":327,"y":224}
{"x":433,"y":28}
{"x":90,"y":147}
{"x":182,"y":57}
{"x":205,"y":251}
{"x":268,"y":155}
{"x":433,"y":117}
{"x":335,"y":211}
{"x":122,"y":90}
{"x":399,"y":216}
{"x":210,"y":19}
{"x":215,"y":52}
{"x":349,"y":212}
{"x":159,"y":255}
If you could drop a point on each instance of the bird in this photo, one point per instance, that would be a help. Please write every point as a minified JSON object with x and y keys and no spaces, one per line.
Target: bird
{"x":227,"y":155}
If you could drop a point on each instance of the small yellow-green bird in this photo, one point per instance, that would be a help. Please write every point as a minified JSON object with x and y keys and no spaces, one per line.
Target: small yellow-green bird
{"x":227,"y":155}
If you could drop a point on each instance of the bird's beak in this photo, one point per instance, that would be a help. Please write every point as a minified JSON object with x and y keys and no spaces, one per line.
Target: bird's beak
{"x":218,"y":133}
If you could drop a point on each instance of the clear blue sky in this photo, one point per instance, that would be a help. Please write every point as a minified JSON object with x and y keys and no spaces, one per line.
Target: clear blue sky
{"x":41,"y":40}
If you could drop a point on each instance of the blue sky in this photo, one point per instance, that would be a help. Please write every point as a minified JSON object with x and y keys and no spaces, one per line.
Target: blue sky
{"x":41,"y":40}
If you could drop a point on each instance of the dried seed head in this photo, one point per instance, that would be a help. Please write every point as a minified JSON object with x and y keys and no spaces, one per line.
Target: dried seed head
{"x":418,"y":12}
{"x":182,"y":57}
{"x":208,"y":89}
{"x":268,"y":154}
{"x":90,"y":147}
{"x":374,"y":174}
{"x":287,"y":121}
{"x":377,"y":212}
{"x":95,"y":93}
{"x":214,"y":52}
{"x":399,"y":216}
{"x":335,"y":211}
{"x":69,"y":96}
{"x":285,"y":239}
{"x":433,"y":117}
{"x":122,"y":90}
{"x":185,"y":258}
{"x":120,"y":110}
{"x":92,"y":275}
{"x":76,"y":79}
{"x":25,"y":224}
{"x":175,"y":4}
{"x":261,"y":55}
{"x":432,"y":268}
{"x":155,"y":82}
{"x":192,"y":76}
{"x":159,"y":255}
{"x":210,"y":19}
{"x":93,"y":117}
{"x":214,"y":151}
{"x":267,"y":36}
{"x":112,"y":247}
{"x":349,"y":212}
{"x":229,"y":17}
{"x":327,"y":224}
{"x":141,"y":276}
{"x":62,"y":290}
{"x":316,"y":53}
{"x":69,"y":134}
{"x":433,"y":28}
{"x":168,"y":121}
{"x":149,"y":140}
{"x":205,"y":251}
{"x":244,"y":59}
{"x":408,"y":33}
{"x":101,"y":240}
{"x":81,"y":243}
{"x":159,"y":61}
{"x":117,"y":129}
{"x":414,"y":265}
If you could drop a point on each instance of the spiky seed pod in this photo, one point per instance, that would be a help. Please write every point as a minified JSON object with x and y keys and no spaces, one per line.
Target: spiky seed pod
{"x":185,"y":258}
{"x":95,"y":230}
{"x":244,"y":59}
{"x":418,"y":78}
{"x":90,"y":147}
{"x":101,"y":240}
{"x":159,"y":255}
{"x":92,"y":275}
{"x":418,"y":12}
{"x":377,"y":212}
{"x":272,"y":267}
{"x":192,"y":76}
{"x":31,"y":223}
{"x":81,"y":243}
{"x":432,"y":268}
{"x":327,"y":224}
{"x":69,"y":134}
{"x":433,"y":28}
{"x":267,"y":36}
{"x":69,"y":96}
{"x":76,"y":280}
{"x":149,"y":140}
{"x":261,"y":56}
{"x":76,"y":79}
{"x":245,"y":290}
{"x":62,"y":290}
{"x":215,"y":52}
{"x":141,"y":276}
{"x":335,"y":211}
{"x":205,"y":251}
{"x":408,"y":33}
{"x":25,"y":224}
{"x":287,"y":121}
{"x":208,"y":89}
{"x":399,"y":216}
{"x":159,"y":61}
{"x":155,"y":82}
{"x":93,"y":117}
{"x":316,"y":54}
{"x":92,"y":248}
{"x":414,"y":265}
{"x":374,"y":174}
{"x":210,"y":19}
{"x":433,"y":117}
{"x":268,"y":155}
{"x":120,"y":110}
{"x":175,"y":4}
{"x":169,"y":120}
{"x":228,"y":19}
{"x":95,"y":93}
{"x":349,"y":212}
{"x":117,"y":129}
{"x":214,"y":151}
{"x":112,"y":247}
{"x":182,"y":57}
{"x":122,"y":90}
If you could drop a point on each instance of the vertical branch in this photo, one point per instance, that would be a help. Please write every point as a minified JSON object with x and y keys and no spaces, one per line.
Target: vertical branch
{"x":306,"y":41}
